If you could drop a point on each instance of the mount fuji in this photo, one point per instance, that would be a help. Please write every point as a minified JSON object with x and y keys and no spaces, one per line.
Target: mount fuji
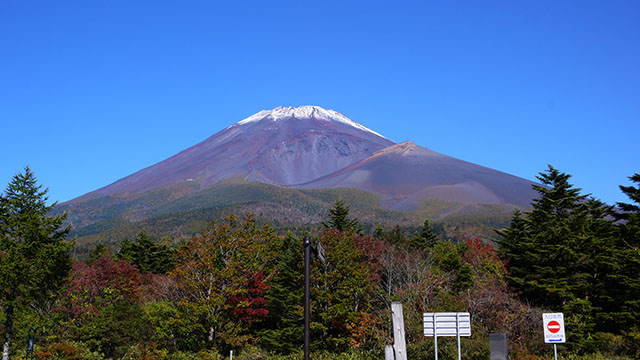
{"x":296,"y":149}
{"x":283,"y":146}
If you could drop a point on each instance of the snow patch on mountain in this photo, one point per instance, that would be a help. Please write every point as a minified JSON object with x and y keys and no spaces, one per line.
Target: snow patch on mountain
{"x":304,"y":112}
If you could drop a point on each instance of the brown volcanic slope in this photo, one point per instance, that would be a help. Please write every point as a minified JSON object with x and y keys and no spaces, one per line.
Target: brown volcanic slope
{"x":407,"y":175}
{"x":282,"y":146}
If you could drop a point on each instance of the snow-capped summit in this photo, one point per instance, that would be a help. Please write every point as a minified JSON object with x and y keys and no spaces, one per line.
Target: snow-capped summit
{"x":284,"y":146}
{"x":304,"y":112}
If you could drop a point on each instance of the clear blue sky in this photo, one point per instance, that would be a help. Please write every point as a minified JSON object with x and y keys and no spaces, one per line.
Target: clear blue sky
{"x":92,"y":91}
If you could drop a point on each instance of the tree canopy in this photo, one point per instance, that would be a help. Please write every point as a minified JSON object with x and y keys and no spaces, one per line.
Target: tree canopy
{"x":34,"y":256}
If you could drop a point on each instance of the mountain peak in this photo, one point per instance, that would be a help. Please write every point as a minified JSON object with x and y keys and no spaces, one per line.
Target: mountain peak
{"x":304,"y":112}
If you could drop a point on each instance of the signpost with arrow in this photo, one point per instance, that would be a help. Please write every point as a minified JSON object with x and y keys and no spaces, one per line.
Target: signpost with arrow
{"x":553,"y":324}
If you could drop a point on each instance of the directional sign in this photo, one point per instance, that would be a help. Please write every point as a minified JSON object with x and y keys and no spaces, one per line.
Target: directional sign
{"x":447,"y":324}
{"x":553,"y":324}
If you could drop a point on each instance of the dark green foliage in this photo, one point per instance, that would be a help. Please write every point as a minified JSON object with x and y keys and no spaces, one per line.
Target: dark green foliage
{"x":282,"y":330}
{"x":565,"y":255}
{"x":147,"y":255}
{"x":379,"y":233}
{"x":101,"y":250}
{"x":395,"y":236}
{"x":34,"y":256}
{"x":628,"y":249}
{"x":339,"y":218}
{"x":448,"y":258}
{"x":342,"y":293}
{"x":426,"y":238}
{"x":543,"y":248}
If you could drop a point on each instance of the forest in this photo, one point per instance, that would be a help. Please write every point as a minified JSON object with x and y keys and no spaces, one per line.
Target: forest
{"x":238,"y":285}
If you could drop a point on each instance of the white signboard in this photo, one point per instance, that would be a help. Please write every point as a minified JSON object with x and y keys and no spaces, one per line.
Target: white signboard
{"x":553,"y":324}
{"x":447,"y":324}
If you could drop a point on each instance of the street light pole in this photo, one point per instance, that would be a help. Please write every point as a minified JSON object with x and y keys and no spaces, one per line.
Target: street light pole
{"x":307,"y":294}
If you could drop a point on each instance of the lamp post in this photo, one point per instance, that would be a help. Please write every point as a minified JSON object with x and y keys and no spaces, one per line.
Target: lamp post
{"x":319,"y":252}
{"x":307,"y":294}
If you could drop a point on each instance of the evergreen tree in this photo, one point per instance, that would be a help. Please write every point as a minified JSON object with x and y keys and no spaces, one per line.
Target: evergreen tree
{"x":379,"y":233}
{"x":396,"y":236}
{"x":342,"y":294}
{"x":562,"y":256}
{"x":542,"y":246}
{"x":426,"y":238}
{"x":146,"y":254}
{"x":34,"y":256}
{"x":628,"y":248}
{"x":283,"y":330}
{"x":101,"y":250}
{"x":339,"y":218}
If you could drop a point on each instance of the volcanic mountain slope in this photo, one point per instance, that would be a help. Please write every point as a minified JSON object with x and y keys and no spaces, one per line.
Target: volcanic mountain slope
{"x":292,"y":150}
{"x":406,"y":175}
{"x":283,"y":146}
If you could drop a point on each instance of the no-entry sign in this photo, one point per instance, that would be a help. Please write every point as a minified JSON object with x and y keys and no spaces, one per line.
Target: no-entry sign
{"x":553,"y":328}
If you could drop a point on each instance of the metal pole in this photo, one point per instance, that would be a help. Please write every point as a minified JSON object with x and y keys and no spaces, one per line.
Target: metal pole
{"x":231,"y":355}
{"x":458,"y":334}
{"x":307,"y":294}
{"x":435,"y":332}
{"x":555,"y":351}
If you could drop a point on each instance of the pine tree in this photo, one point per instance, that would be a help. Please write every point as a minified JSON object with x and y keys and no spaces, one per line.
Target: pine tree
{"x":339,"y":218}
{"x":426,"y":238}
{"x":562,"y":256}
{"x":146,"y":254}
{"x":283,"y":330}
{"x":342,"y":293}
{"x":34,"y":256}
{"x":628,"y":249}
{"x":101,"y":250}
{"x":542,"y":246}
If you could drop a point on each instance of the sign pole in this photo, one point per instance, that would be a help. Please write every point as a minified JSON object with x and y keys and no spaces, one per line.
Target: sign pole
{"x":553,"y":326}
{"x":307,"y":294}
{"x":435,"y":332}
{"x":458,"y":333}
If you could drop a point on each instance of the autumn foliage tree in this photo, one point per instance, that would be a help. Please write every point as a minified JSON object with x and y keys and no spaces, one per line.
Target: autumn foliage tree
{"x":221,"y":275}
{"x":100,"y":305}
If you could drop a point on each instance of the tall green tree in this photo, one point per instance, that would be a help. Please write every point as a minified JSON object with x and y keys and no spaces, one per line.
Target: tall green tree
{"x":34,"y":256}
{"x":282,"y":331}
{"x":628,"y":248}
{"x":561,"y":255}
{"x":426,"y":238}
{"x":146,"y":254}
{"x":540,"y":247}
{"x":342,"y":296}
{"x":339,"y":218}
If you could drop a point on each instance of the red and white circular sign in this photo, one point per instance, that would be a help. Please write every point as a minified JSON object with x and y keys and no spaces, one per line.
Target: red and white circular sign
{"x":553,"y":326}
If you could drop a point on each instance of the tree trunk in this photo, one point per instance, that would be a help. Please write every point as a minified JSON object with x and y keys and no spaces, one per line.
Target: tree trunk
{"x":8,"y":327}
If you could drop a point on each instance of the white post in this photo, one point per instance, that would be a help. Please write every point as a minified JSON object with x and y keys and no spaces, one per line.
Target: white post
{"x":231,"y":355}
{"x":555,"y":351}
{"x":388,"y":352}
{"x":435,"y":332}
{"x":399,"y":344}
{"x":458,"y":334}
